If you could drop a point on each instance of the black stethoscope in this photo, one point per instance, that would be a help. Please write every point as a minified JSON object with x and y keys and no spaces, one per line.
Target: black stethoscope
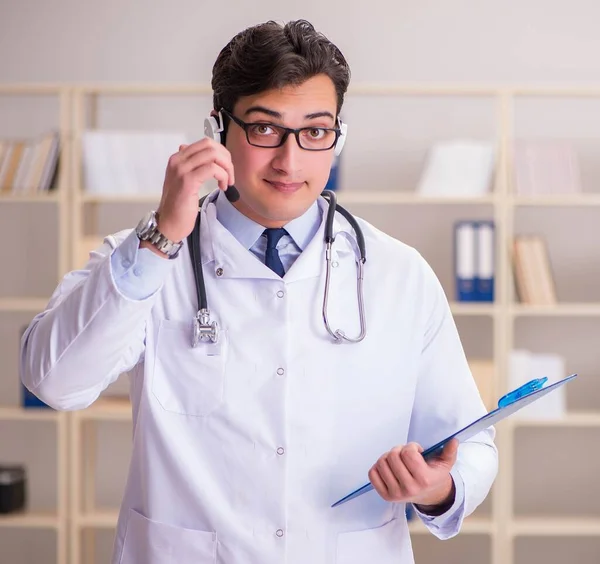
{"x":205,"y":330}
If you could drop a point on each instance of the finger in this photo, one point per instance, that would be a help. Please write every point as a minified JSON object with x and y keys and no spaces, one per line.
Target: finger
{"x":204,"y":143}
{"x":211,"y":170}
{"x":414,"y":461}
{"x":390,"y":480}
{"x":450,"y":452}
{"x":401,"y":471}
{"x":378,"y":483}
{"x":205,"y":156}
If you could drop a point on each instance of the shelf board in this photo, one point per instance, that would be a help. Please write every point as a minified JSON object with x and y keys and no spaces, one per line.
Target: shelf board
{"x":52,"y":197}
{"x":106,"y":409}
{"x":28,"y":414}
{"x":35,"y":305}
{"x":558,"y":310}
{"x":99,"y":519}
{"x":571,"y":200}
{"x":471,"y":525}
{"x":459,"y":308}
{"x":119,"y":198}
{"x":559,"y":527}
{"x":344,"y":197}
{"x":31,"y":519}
{"x":409,"y":198}
{"x":31,"y":88}
{"x":570,"y":420}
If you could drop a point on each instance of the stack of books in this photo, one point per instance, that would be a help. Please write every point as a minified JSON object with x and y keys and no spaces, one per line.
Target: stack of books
{"x":29,"y":165}
{"x":533,"y":276}
{"x":546,"y":167}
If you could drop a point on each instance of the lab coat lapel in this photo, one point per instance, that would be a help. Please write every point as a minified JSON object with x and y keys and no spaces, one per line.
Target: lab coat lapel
{"x":222,"y":249}
{"x":311,"y":262}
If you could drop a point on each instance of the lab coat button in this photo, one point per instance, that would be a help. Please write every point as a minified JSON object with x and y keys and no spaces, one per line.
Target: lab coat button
{"x":137,"y":271}
{"x":280,"y":371}
{"x":125,"y":263}
{"x":219,"y":272}
{"x":280,"y":451}
{"x":279,"y":533}
{"x":280,"y":294}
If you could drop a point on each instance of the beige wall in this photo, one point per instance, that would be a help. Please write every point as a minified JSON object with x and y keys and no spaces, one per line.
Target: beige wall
{"x":432,"y":40}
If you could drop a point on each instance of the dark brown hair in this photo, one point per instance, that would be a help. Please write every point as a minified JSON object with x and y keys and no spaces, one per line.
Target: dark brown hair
{"x":271,"y":55}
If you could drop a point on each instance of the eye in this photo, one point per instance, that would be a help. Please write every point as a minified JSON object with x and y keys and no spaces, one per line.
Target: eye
{"x":315,"y":133}
{"x":262,"y":129}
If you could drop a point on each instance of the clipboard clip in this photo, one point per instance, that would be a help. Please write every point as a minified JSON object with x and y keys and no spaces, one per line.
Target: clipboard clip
{"x":525,"y":389}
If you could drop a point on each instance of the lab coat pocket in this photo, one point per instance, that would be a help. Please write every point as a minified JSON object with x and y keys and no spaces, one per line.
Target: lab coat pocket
{"x":188,"y":380}
{"x":387,"y":544}
{"x":151,"y":542}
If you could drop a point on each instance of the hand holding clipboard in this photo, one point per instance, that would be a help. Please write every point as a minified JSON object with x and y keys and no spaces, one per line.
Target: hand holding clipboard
{"x":507,"y":405}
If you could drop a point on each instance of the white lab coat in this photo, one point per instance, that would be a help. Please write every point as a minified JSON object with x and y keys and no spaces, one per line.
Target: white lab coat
{"x":239,"y":449}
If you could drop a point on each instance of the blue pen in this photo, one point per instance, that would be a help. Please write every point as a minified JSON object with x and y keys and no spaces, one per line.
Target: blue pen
{"x":524,"y":390}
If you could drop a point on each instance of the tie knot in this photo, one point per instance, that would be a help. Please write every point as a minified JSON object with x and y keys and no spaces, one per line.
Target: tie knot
{"x":273,"y":236}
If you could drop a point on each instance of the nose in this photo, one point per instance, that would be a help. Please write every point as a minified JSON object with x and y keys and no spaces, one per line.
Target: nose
{"x":287,"y":157}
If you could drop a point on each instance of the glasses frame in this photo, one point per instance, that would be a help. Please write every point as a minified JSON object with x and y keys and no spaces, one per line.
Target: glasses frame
{"x":287,"y":131}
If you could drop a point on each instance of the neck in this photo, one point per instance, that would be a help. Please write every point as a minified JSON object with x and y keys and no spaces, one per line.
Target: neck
{"x":248,"y":212}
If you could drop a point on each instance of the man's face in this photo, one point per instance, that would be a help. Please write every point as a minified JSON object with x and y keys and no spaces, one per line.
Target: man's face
{"x":279,"y":184}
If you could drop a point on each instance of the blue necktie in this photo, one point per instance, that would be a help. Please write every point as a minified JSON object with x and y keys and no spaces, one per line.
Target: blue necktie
{"x":272,"y":259}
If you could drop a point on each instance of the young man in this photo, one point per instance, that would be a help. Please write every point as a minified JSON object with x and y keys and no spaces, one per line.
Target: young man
{"x":242,"y":445}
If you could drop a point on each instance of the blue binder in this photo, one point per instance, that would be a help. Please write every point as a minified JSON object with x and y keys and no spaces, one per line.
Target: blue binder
{"x":485,"y":262}
{"x":465,"y":237}
{"x":507,"y":405}
{"x":474,"y":260}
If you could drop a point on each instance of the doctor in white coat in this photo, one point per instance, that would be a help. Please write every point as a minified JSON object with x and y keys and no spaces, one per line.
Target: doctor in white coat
{"x":241,"y":446}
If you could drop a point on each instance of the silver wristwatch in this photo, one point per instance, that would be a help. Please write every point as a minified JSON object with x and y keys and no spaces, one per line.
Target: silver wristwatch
{"x":147,"y":230}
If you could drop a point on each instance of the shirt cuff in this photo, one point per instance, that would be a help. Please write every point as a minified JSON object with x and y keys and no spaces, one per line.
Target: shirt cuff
{"x":138,"y":273}
{"x":447,"y":524}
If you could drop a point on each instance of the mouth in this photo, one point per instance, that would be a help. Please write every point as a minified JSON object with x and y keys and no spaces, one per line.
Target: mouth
{"x":285,"y":187}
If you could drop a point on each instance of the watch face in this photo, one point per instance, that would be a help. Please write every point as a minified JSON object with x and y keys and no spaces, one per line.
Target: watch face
{"x":146,"y":225}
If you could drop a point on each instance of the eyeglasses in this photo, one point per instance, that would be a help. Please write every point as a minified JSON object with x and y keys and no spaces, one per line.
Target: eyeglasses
{"x":269,"y":135}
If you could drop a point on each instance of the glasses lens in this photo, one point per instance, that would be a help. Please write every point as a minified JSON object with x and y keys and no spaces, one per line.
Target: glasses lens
{"x":264,"y":135}
{"x":317,"y":138}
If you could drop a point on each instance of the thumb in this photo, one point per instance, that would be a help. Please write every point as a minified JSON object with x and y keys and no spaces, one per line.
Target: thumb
{"x":450,"y":452}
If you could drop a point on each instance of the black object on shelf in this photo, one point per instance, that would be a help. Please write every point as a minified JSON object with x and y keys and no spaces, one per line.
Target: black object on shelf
{"x":12,"y":488}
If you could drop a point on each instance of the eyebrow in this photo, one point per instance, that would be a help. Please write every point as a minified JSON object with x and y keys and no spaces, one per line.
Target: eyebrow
{"x":277,"y":115}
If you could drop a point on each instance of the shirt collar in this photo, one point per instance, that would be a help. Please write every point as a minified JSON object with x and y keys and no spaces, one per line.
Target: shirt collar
{"x":247,"y":231}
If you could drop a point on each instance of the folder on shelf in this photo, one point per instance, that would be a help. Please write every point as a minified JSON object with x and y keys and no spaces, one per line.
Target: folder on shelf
{"x":465,"y":233}
{"x":474,"y":262}
{"x":507,"y":405}
{"x":484,"y":267}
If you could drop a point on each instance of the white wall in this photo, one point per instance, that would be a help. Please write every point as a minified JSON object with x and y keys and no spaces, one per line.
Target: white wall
{"x":474,"y":41}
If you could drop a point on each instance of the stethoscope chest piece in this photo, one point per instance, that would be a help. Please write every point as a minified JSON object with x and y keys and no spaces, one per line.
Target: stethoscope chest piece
{"x":204,"y":330}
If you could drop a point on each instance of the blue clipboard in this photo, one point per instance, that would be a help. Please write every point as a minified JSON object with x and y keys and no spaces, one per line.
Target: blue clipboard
{"x":507,"y":405}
